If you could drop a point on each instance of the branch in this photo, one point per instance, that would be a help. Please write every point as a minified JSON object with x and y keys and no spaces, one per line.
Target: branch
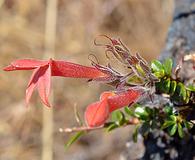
{"x":132,"y":121}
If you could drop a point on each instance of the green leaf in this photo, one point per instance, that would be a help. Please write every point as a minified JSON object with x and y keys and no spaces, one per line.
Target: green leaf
{"x":149,"y":110}
{"x":140,"y":70}
{"x":168,"y":110}
{"x":135,"y":133}
{"x":180,"y":130}
{"x":167,"y":124}
{"x":156,"y":66}
{"x":129,"y":111}
{"x":118,"y":117}
{"x":172,"y":129}
{"x":173,"y":118}
{"x":141,"y":113}
{"x":159,"y":74}
{"x":163,"y":86}
{"x":134,"y":80}
{"x":191,"y":87}
{"x":168,"y":64}
{"x":187,"y":96}
{"x":173,"y":87}
{"x":182,"y":91}
{"x":166,"y":85}
{"x":180,"y":94}
{"x":112,"y":127}
{"x":73,"y":139}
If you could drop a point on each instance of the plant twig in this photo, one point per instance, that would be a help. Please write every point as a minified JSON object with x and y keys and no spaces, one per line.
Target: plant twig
{"x":132,"y":121}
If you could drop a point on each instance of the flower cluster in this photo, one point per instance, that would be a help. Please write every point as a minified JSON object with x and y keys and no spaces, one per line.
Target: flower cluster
{"x":127,"y":88}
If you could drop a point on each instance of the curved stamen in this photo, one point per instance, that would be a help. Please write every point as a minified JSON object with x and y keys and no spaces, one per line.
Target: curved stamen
{"x":90,"y":56}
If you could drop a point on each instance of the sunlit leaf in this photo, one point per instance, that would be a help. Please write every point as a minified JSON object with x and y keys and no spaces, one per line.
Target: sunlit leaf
{"x":156,"y":66}
{"x":160,"y":73}
{"x":129,"y":111}
{"x":118,"y":117}
{"x":141,"y":113}
{"x":173,"y":118}
{"x":168,"y":63}
{"x":173,"y":86}
{"x":191,"y":88}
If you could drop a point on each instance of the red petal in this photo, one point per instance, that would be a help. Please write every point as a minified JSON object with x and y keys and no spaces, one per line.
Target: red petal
{"x":123,"y":99}
{"x":9,"y":68}
{"x":44,"y":84}
{"x":97,"y":113}
{"x":25,"y":64}
{"x":68,"y":69}
{"x":32,"y":84}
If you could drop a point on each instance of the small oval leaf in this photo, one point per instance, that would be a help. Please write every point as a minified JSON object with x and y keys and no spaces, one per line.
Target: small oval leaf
{"x":156,"y":66}
{"x":180,"y":131}
{"x":168,"y":63}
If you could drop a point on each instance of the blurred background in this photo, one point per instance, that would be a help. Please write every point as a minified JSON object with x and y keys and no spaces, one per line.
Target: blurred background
{"x":40,"y":28}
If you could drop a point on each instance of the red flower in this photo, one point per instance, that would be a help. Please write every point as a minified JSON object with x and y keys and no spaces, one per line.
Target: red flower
{"x":43,"y":70}
{"x":97,"y":113}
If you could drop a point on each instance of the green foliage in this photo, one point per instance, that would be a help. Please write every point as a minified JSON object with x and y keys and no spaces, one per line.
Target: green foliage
{"x":160,"y":69}
{"x":172,"y":129}
{"x":175,"y":123}
{"x":168,"y":64}
{"x":180,"y":130}
{"x":156,"y":66}
{"x":141,"y":113}
{"x":73,"y":139}
{"x":157,"y":69}
{"x":191,"y":87}
{"x":179,"y":93}
{"x":118,"y":119}
{"x":129,"y":111}
{"x":168,"y":110}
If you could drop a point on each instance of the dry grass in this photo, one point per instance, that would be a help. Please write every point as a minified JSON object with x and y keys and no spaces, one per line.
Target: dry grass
{"x":141,"y":24}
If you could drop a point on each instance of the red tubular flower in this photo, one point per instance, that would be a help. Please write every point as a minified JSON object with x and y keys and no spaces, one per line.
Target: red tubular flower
{"x":43,"y":70}
{"x":97,"y":113}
